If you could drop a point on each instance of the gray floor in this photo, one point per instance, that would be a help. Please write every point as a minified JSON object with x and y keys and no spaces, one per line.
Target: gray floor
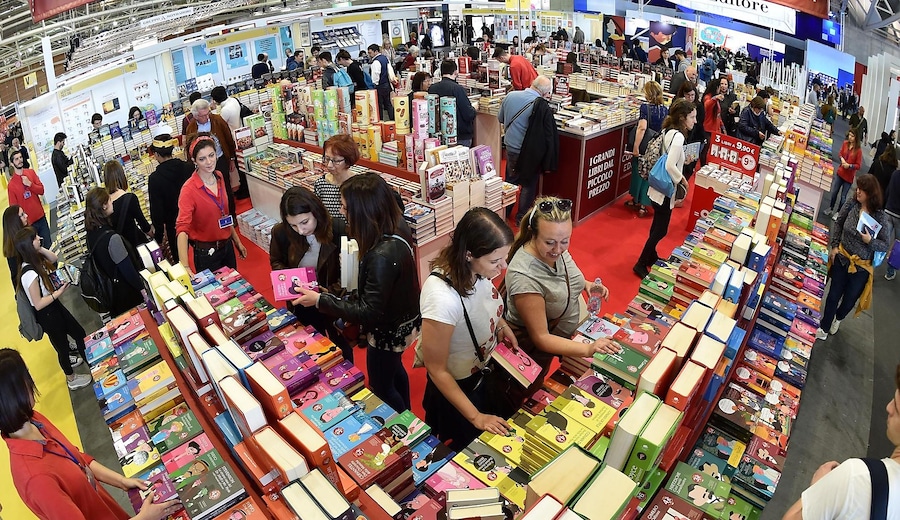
{"x":843,"y":405}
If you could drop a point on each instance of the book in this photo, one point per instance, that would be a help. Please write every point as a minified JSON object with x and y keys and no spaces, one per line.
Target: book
{"x":137,"y":354}
{"x":407,"y":428}
{"x":629,"y":428}
{"x":136,"y":452}
{"x":546,"y":507}
{"x":427,"y":457}
{"x":711,"y":464}
{"x":451,"y":476}
{"x":65,"y":274}
{"x":517,"y":363}
{"x":151,"y":380}
{"x":301,"y":503}
{"x":868,"y":224}
{"x":650,"y":444}
{"x":562,"y":477}
{"x":245,"y":409}
{"x":247,"y":509}
{"x":286,"y":283}
{"x":159,"y":484}
{"x":125,"y":327}
{"x":756,"y":477}
{"x":378,"y":459}
{"x":606,"y":495}
{"x":274,"y":452}
{"x":685,"y":386}
{"x":182,"y":455}
{"x":434,"y":182}
{"x":349,"y":432}
{"x":212,"y":493}
{"x":625,"y":366}
{"x":658,"y":374}
{"x":585,"y":408}
{"x":667,"y":506}
{"x":326,"y":495}
{"x":493,"y":469}
{"x":173,"y":428}
{"x":680,"y":339}
{"x":698,"y":489}
{"x":329,"y":410}
{"x":199,"y":465}
{"x":269,"y":390}
{"x":311,"y":443}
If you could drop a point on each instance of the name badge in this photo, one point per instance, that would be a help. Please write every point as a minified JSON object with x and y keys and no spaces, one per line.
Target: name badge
{"x":27,"y":194}
{"x":226,"y":222}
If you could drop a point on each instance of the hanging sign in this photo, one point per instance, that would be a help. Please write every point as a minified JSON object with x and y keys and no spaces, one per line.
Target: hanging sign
{"x":757,"y":12}
{"x":733,"y":154}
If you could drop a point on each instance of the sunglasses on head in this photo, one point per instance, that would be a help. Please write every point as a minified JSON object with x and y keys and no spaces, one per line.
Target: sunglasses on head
{"x":546,"y":206}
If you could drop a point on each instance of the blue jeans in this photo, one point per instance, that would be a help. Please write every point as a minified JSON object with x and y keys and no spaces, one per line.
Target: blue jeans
{"x":845,"y":290}
{"x":894,"y":223}
{"x":841,"y":185}
{"x":43,"y":230}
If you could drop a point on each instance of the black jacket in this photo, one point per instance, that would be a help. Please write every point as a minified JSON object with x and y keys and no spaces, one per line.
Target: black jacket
{"x":677,"y":81}
{"x":465,"y":112}
{"x":540,"y":148}
{"x":129,"y":221}
{"x":750,"y":125}
{"x":356,"y":74}
{"x":60,"y":164}
{"x":387,"y":302}
{"x":163,"y":189}
{"x":127,"y":281}
{"x":892,"y":196}
{"x":883,"y":172}
{"x":328,"y":264}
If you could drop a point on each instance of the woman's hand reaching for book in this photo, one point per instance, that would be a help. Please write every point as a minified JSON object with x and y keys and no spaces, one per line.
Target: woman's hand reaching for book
{"x":602,"y":346}
{"x":491,"y":424}
{"x":307,"y":299}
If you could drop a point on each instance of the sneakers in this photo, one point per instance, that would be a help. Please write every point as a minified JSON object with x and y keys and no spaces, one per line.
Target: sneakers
{"x":890,"y":275}
{"x":821,"y":334}
{"x":74,"y":360}
{"x":834,"y":326}
{"x":80,"y":381}
{"x":834,"y":217}
{"x":827,"y":211}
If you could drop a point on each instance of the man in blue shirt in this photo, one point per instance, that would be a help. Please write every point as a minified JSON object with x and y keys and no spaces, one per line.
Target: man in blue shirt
{"x":514,"y":115}
{"x":465,"y":112}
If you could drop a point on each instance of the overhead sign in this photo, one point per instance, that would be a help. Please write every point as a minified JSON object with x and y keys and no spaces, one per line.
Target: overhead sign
{"x":240,"y":36}
{"x":758,"y":12}
{"x":43,"y":9}
{"x":814,"y":7}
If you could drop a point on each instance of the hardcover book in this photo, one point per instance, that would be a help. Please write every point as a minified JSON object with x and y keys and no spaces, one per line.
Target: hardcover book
{"x":136,"y":452}
{"x":625,"y":367}
{"x":185,"y":475}
{"x":585,"y":408}
{"x":125,"y":327}
{"x":407,"y":428}
{"x":757,"y":478}
{"x":711,"y":465}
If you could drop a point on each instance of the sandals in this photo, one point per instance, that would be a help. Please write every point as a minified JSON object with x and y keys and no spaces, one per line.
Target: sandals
{"x":631,"y":203}
{"x":642,"y":211}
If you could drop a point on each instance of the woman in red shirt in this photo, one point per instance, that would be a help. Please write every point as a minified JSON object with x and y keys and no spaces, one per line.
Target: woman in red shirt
{"x":851,"y":161}
{"x":204,"y":221}
{"x":52,"y":476}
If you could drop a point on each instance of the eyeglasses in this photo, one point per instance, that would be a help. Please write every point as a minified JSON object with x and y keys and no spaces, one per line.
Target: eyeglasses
{"x":546,"y":206}
{"x":333,"y":160}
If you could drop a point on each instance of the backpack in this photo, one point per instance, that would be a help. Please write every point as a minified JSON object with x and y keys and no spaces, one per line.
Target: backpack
{"x":96,"y":287}
{"x":659,"y":178}
{"x":342,"y":79}
{"x":245,"y":110}
{"x":650,"y":158}
{"x":369,"y":84}
{"x":29,"y":327}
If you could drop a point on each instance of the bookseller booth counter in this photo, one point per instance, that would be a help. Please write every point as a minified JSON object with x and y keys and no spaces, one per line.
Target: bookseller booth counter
{"x":591,"y":171}
{"x":266,"y":198}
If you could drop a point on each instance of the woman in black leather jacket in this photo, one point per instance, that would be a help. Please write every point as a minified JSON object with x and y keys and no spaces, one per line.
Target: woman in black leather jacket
{"x":387,"y":301}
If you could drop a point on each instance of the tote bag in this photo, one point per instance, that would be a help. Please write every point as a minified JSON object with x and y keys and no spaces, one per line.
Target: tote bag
{"x":659,"y":178}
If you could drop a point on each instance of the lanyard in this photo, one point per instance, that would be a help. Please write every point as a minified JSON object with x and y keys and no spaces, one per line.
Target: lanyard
{"x":68,"y":455}
{"x":216,"y":198}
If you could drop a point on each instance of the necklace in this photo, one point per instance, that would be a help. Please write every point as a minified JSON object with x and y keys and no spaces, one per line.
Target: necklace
{"x":210,"y":182}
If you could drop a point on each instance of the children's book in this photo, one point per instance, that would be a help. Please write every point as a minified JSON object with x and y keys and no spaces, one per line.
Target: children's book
{"x":187,"y":452}
{"x":517,"y":363}
{"x":428,"y":456}
{"x":286,"y":283}
{"x":160,"y":485}
{"x":407,"y":428}
{"x":174,"y":428}
{"x":329,"y":410}
{"x":263,"y":346}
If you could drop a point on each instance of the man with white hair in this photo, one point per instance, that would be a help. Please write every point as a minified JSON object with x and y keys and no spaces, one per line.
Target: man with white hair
{"x":516,"y":116}
{"x":689,"y":74}
{"x":206,"y":121}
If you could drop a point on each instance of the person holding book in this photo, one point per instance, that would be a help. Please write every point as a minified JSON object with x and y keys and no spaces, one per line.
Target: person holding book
{"x":338,"y":155}
{"x":387,"y":302}
{"x":851,"y":162}
{"x":688,"y":91}
{"x":753,"y":126}
{"x":543,"y":288}
{"x":110,"y":250}
{"x":163,"y":189}
{"x":844,"y":490}
{"x":54,"y":478}
{"x":308,"y":237}
{"x":859,"y":233}
{"x":127,"y":217}
{"x":461,"y":324}
{"x":37,"y":262}
{"x":204,"y":221}
{"x":14,"y":219}
{"x":652,"y":115}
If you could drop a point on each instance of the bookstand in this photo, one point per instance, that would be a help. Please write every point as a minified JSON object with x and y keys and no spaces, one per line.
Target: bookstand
{"x":201,"y":412}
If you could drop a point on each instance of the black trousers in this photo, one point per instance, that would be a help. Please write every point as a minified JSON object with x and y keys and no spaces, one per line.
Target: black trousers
{"x":59,"y":325}
{"x":384,"y":102}
{"x":662,"y":214}
{"x":219,"y":258}
{"x":445,"y":420}
{"x":388,"y":378}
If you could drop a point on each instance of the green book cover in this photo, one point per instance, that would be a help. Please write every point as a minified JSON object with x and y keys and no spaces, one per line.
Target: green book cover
{"x":137,"y":354}
{"x":736,"y":507}
{"x":174,"y":428}
{"x":649,"y":487}
{"x":699,"y":489}
{"x":625,"y":366}
{"x":711,"y":465}
{"x":657,"y":289}
{"x":185,"y":475}
{"x":407,"y":428}
{"x":649,"y":445}
{"x":599,"y":448}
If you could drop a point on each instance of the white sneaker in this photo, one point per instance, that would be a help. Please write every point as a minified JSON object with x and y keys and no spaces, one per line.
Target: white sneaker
{"x":821,"y":334}
{"x":80,"y":381}
{"x":827,"y":211}
{"x":75,"y":360}
{"x":834,"y":217}
{"x":834,"y":326}
{"x":890,"y":276}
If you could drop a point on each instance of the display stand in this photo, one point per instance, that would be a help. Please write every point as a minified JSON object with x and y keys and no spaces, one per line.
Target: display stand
{"x":591,"y":170}
{"x":487,"y":132}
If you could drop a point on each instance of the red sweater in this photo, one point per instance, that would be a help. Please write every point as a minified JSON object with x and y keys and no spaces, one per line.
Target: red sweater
{"x":854,"y":157}
{"x":27,"y":198}
{"x":521,"y":72}
{"x":712,"y":120}
{"x":54,"y":487}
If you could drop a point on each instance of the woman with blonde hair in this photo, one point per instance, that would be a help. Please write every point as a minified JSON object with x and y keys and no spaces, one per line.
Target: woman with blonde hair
{"x":652,"y":114}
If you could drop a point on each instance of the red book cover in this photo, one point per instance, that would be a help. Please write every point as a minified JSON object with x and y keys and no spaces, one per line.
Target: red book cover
{"x":187,"y":452}
{"x":642,"y":335}
{"x":766,"y":452}
{"x":374,"y":458}
{"x":125,"y":327}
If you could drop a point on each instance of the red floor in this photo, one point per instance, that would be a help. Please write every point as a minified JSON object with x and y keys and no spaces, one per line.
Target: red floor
{"x":607,"y":245}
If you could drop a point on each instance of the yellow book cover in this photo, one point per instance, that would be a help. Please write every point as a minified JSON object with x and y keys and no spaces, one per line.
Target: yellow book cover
{"x":154,"y":378}
{"x":584,"y":408}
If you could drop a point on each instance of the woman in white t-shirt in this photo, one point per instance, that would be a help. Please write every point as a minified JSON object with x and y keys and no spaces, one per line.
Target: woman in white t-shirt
{"x":59,"y":324}
{"x":458,"y":293}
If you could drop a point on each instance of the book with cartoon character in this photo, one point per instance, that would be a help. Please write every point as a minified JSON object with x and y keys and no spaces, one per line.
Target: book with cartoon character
{"x":699,"y":489}
{"x":348,"y":433}
{"x":174,"y":428}
{"x":756,"y":477}
{"x":427,"y":457}
{"x":711,"y":465}
{"x":380,"y":459}
{"x":136,"y":452}
{"x":286,"y":283}
{"x":408,"y":428}
{"x":493,"y":469}
{"x":329,"y":410}
{"x":625,"y":366}
{"x":585,"y":408}
{"x":211,"y":493}
{"x":159,"y":484}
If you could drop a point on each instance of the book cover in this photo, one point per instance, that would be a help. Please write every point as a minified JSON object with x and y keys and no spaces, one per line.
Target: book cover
{"x":595,"y":328}
{"x":136,"y":452}
{"x":159,"y":484}
{"x":376,"y":459}
{"x":711,"y":465}
{"x":329,"y":410}
{"x":434,"y":182}
{"x":722,"y":445}
{"x":585,"y":408}
{"x":263,"y":346}
{"x":698,"y":489}
{"x":756,"y":477}
{"x":280,"y":318}
{"x":187,"y":452}
{"x":344,"y":377}
{"x":766,"y":452}
{"x":641,"y":334}
{"x":212,"y":493}
{"x":452,"y":476}
{"x":407,"y":428}
{"x":517,"y":363}
{"x":152,"y":380}
{"x":98,"y":349}
{"x":286,"y":283}
{"x":291,"y":371}
{"x":868,"y":224}
{"x":247,"y":509}
{"x":625,"y":367}
{"x":667,"y":506}
{"x":174,"y":428}
{"x":191,"y":471}
{"x":493,"y":469}
{"x":125,"y":327}
{"x":427,"y":458}
{"x":137,"y":354}
{"x":109,"y":385}
{"x":348,"y":433}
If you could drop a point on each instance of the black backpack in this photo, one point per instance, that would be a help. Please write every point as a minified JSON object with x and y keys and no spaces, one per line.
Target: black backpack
{"x":29,"y":327}
{"x":96,"y":286}
{"x":245,"y":110}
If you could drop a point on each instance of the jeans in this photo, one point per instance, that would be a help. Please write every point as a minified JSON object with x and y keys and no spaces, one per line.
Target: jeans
{"x":43,"y":230}
{"x":845,"y":290}
{"x":384,"y":102}
{"x":59,"y":325}
{"x":662,"y":214}
{"x":841,"y":185}
{"x":388,"y":377}
{"x":464,"y":142}
{"x":528,"y":187}
{"x":894,"y":223}
{"x":219,"y":258}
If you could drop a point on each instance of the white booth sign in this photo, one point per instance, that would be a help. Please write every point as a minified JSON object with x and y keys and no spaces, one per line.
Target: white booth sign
{"x":756,"y":12}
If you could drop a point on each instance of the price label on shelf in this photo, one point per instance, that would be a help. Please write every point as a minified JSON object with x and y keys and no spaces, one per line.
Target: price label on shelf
{"x":733,"y":154}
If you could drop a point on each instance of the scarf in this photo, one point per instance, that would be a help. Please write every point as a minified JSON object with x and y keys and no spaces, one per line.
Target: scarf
{"x":865,"y":299}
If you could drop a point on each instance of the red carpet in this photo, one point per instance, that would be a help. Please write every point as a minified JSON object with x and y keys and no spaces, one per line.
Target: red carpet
{"x":607,"y":245}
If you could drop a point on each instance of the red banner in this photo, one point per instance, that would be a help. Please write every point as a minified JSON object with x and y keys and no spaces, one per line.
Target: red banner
{"x":43,"y":9}
{"x":733,"y":154}
{"x":814,"y":7}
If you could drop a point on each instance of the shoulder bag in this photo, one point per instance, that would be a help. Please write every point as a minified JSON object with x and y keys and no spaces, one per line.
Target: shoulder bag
{"x":659,"y":178}
{"x":880,"y":489}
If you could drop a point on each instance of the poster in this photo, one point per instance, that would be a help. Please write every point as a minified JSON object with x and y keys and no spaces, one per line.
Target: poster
{"x":236,"y":56}
{"x":287,"y":41}
{"x":267,"y":46}
{"x":733,"y":154}
{"x":178,"y":65}
{"x":614,"y":27}
{"x":602,"y":158}
{"x":76,"y":115}
{"x":204,"y":62}
{"x":664,"y":36}
{"x":305,"y":40}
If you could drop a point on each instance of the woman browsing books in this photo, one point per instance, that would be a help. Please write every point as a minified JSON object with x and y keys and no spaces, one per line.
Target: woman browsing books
{"x":111,"y":251}
{"x":308,"y":237}
{"x":543,"y":286}
{"x":859,"y":232}
{"x":461,"y":324}
{"x":387,"y":303}
{"x":677,"y":125}
{"x":851,"y":162}
{"x":55,"y":480}
{"x":338,"y":155}
{"x":652,"y":114}
{"x":204,"y":221}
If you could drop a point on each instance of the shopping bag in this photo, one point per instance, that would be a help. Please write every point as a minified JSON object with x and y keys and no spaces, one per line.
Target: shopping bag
{"x":894,"y":258}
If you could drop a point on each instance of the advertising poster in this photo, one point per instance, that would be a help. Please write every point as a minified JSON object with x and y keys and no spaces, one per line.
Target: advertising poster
{"x":204,"y":62}
{"x":76,"y":115}
{"x":664,"y":36}
{"x":179,"y":66}
{"x":287,"y":41}
{"x":236,"y":56}
{"x":614,"y":27}
{"x":267,"y":46}
{"x":602,"y":158}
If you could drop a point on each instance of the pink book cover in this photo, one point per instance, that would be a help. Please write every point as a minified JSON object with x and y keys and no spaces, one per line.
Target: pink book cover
{"x":228,"y":277}
{"x":341,"y":376}
{"x":297,"y":340}
{"x":187,"y":452}
{"x":291,"y":372}
{"x":220,"y":296}
{"x":307,"y":396}
{"x":519,"y":360}
{"x":451,"y":476}
{"x":286,"y":283}
{"x":96,"y":337}
{"x":161,"y":486}
{"x":124,"y":328}
{"x":803,"y":331}
{"x":484,"y":161}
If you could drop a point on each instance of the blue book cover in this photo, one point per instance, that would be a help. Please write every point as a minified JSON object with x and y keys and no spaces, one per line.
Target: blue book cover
{"x":99,"y":350}
{"x":229,"y":430}
{"x":382,"y":414}
{"x":329,"y":410}
{"x":766,"y":343}
{"x":734,"y":342}
{"x":349,"y":432}
{"x":427,"y":457}
{"x":202,"y":279}
{"x":113,"y":383}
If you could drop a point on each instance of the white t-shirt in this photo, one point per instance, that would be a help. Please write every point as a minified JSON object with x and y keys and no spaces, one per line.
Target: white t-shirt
{"x":846,"y":493}
{"x":440,"y":302}
{"x":230,"y":110}
{"x":28,"y":278}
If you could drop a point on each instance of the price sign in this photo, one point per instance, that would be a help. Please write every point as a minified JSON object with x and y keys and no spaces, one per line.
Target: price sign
{"x":733,"y":154}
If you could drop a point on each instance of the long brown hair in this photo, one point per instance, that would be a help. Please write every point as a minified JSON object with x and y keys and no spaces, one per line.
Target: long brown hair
{"x":528,"y":227}
{"x":679,"y":111}
{"x":114,"y":176}
{"x":872,"y":188}
{"x":24,"y":240}
{"x":480,"y":232}
{"x":855,"y":131}
{"x":298,"y":200}
{"x":11,"y":225}
{"x":94,"y":216}
{"x":371,"y":210}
